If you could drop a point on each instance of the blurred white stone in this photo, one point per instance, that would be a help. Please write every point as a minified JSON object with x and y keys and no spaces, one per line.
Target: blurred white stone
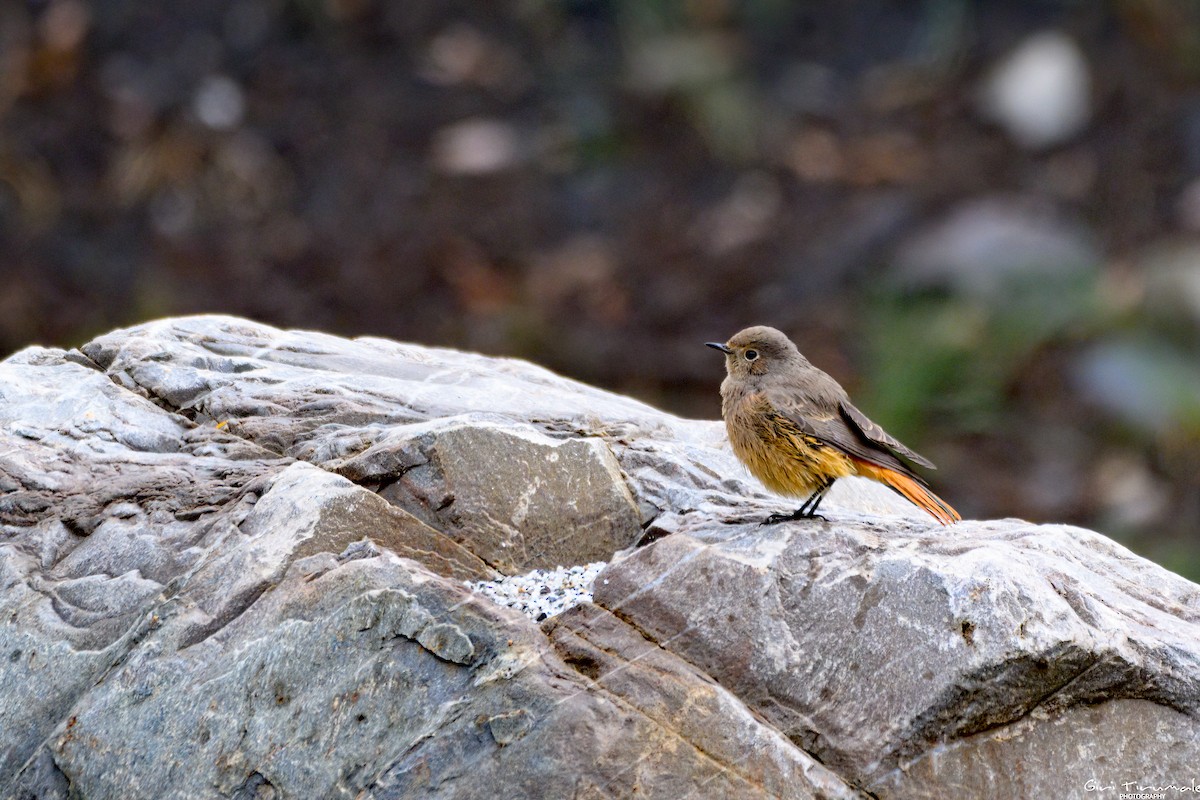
{"x":1172,"y":280}
{"x":1041,"y":91}
{"x":476,"y":147}
{"x":219,"y":103}
{"x":668,"y":63}
{"x":980,"y":245}
{"x":1146,"y":383}
{"x":1131,"y":494}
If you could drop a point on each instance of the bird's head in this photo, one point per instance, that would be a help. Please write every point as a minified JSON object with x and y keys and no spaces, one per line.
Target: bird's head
{"x":756,"y":351}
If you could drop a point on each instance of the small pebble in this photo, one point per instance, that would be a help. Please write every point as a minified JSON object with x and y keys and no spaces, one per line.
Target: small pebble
{"x":542,"y":593}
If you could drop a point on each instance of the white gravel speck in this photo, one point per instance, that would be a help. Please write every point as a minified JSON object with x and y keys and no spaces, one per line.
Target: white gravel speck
{"x":542,"y":593}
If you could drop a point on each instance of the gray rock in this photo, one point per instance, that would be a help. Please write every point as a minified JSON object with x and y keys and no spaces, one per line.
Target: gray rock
{"x":302,"y":389}
{"x":342,"y":405}
{"x":502,"y":489}
{"x":676,"y":695}
{"x":108,"y":500}
{"x":908,"y":658}
{"x":376,"y":678}
{"x":348,"y":514}
{"x":234,"y":563}
{"x":1156,"y":746}
{"x":111,"y":501}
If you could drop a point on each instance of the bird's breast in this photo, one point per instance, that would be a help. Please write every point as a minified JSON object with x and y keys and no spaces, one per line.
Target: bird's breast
{"x":777,"y":451}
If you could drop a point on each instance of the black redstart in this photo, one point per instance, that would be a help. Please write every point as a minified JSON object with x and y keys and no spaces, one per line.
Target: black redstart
{"x":795,"y":429}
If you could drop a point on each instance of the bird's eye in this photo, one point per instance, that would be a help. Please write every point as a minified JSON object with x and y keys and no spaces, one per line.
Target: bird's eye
{"x":751,"y":355}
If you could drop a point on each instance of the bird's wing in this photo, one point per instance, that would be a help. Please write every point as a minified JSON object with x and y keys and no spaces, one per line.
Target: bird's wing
{"x":833,"y":427}
{"x":879,"y":436}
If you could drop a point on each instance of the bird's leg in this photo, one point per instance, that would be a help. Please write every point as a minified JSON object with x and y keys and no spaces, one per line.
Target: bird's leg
{"x":816,"y":499}
{"x":810,"y":504}
{"x":807,"y":511}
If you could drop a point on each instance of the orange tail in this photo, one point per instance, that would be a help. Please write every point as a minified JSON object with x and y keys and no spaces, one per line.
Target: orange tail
{"x":910,"y":489}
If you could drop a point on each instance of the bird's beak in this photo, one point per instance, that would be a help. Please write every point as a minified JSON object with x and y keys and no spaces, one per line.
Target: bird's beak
{"x":719,"y":346}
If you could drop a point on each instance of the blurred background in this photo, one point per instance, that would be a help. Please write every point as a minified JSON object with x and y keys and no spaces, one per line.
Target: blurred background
{"x":982,"y":217}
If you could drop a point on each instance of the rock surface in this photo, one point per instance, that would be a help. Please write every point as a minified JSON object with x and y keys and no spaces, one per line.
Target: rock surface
{"x":504,"y":488}
{"x":234,"y":562}
{"x":908,"y":660}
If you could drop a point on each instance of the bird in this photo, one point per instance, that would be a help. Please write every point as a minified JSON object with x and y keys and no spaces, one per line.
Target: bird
{"x":795,"y":429}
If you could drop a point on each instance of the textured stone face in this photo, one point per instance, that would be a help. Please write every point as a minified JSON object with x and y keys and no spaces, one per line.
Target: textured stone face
{"x":1060,"y":754}
{"x":893,"y":653}
{"x":107,"y":499}
{"x":233,"y":563}
{"x":506,"y":490}
{"x":333,"y":675}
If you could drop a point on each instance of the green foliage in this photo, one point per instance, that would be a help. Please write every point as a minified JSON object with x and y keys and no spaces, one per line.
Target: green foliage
{"x":951,"y":359}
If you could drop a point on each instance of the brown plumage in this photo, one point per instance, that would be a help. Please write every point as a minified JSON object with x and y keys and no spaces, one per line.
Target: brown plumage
{"x":796,"y":430}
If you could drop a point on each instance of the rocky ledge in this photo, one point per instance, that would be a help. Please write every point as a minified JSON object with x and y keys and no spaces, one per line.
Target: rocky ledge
{"x":236,"y":562}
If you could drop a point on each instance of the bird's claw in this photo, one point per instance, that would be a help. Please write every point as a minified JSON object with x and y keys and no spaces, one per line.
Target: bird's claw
{"x":777,"y":518}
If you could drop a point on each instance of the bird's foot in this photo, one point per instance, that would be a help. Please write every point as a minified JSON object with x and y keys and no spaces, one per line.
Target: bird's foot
{"x":794,"y":516}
